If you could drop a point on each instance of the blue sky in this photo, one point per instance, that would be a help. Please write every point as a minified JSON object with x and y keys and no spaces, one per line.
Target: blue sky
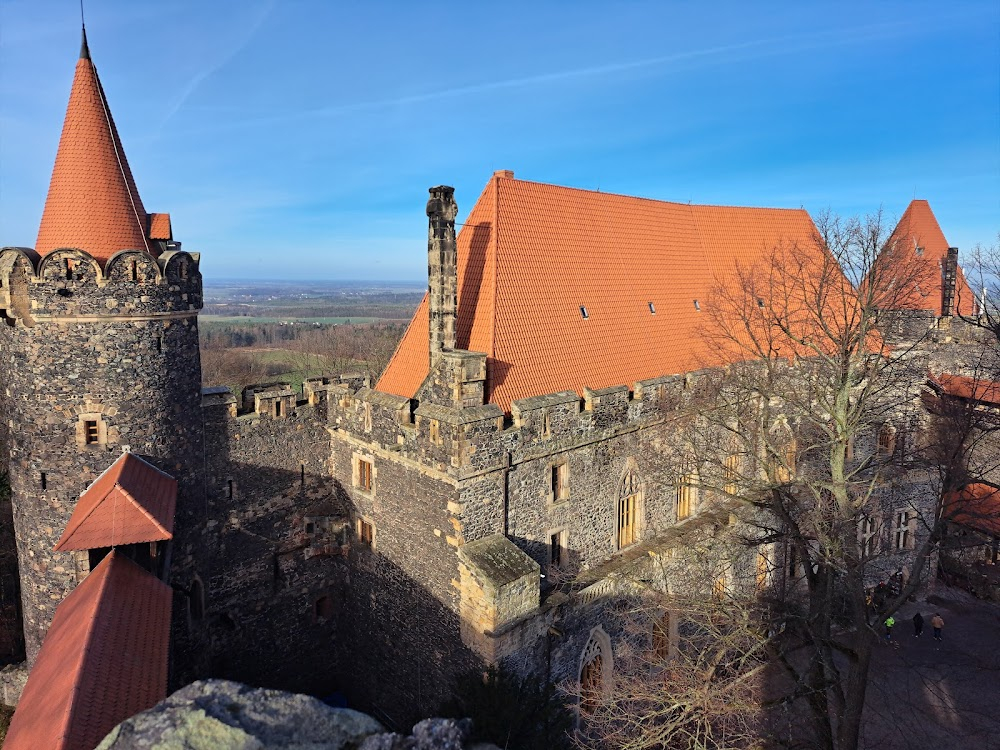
{"x":297,"y":139}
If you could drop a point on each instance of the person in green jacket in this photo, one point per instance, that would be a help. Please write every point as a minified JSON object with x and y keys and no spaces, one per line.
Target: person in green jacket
{"x":889,"y":622}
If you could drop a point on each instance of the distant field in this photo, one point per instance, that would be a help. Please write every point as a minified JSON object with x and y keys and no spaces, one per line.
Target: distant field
{"x":254,"y":320}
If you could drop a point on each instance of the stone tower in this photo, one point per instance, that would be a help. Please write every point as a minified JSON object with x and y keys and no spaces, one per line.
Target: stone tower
{"x":98,"y":351}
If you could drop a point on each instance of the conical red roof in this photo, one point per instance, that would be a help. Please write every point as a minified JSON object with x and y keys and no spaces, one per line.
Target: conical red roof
{"x":92,"y":203}
{"x":919,"y":228}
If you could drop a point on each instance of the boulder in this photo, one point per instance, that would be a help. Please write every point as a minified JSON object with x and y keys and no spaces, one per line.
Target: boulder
{"x":223,"y":715}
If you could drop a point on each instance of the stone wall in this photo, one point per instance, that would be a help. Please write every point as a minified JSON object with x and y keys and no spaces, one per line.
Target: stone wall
{"x":81,"y":345}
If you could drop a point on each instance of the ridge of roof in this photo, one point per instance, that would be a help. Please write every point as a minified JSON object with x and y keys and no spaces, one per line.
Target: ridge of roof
{"x":156,"y":508}
{"x":88,"y":642}
{"x":501,"y":176}
{"x":92,"y":202}
{"x":919,"y":226}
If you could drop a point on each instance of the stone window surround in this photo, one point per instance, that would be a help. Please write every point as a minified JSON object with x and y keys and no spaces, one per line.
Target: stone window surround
{"x":905,"y":530}
{"x":563,"y":534}
{"x":598,"y":644}
{"x":81,"y":429}
{"x":365,"y":527}
{"x":561,"y":465}
{"x":356,"y":475}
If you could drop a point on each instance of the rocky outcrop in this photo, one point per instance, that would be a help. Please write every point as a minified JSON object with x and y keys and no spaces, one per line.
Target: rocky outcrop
{"x":222,"y":715}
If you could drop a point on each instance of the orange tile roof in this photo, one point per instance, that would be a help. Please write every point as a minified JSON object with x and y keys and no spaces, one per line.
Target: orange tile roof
{"x":92,"y":202}
{"x":131,"y":502}
{"x":159,"y":227}
{"x":975,"y":505}
{"x":103,"y":660}
{"x":976,"y":389}
{"x":530,"y":255}
{"x":919,"y":228}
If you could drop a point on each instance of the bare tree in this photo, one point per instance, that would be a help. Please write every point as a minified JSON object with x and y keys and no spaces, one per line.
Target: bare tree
{"x":688,"y":670}
{"x":816,"y":420}
{"x":983,"y":275}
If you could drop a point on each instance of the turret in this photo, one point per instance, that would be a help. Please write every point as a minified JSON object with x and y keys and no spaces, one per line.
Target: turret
{"x":98,"y":350}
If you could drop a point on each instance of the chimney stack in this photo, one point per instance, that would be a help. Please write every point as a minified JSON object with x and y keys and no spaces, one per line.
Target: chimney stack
{"x":948,"y":282}
{"x":442,"y":270}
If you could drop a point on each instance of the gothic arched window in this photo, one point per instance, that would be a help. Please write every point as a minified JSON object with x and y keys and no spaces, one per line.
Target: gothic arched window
{"x":629,"y":506}
{"x":595,"y":670}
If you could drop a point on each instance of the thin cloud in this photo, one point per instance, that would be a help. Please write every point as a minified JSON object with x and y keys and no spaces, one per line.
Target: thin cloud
{"x":240,"y":43}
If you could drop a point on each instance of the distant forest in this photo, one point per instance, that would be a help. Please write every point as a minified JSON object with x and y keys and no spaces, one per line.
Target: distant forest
{"x":238,"y":354}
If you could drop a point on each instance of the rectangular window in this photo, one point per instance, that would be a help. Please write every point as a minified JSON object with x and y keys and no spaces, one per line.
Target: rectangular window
{"x":134,"y":269}
{"x":44,"y":480}
{"x":277,"y":407}
{"x":559,"y":482}
{"x":435,"y":430}
{"x":730,"y":471}
{"x":229,"y":489}
{"x":366,"y":532}
{"x":905,"y":522}
{"x":685,"y":496}
{"x":364,"y":475}
{"x":719,"y":587}
{"x":868,"y":536}
{"x":546,"y":424}
{"x":557,"y":549}
{"x":91,"y":436}
{"x":763,"y":572}
{"x":159,"y":343}
{"x":661,"y":638}
{"x":886,"y":440}
{"x":302,"y":474}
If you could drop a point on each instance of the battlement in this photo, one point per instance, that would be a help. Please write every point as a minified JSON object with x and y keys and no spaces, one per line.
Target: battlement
{"x":70,"y":283}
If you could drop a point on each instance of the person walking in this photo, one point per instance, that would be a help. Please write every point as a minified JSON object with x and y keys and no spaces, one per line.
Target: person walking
{"x":918,"y":625}
{"x":889,"y":622}
{"x":937,"y":622}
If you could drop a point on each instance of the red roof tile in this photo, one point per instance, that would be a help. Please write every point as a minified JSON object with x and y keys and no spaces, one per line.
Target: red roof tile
{"x":530,"y":255}
{"x":103,"y":660}
{"x":159,"y":227}
{"x":919,"y":228}
{"x":92,"y":202}
{"x":131,"y":502}
{"x":975,"y":389}
{"x":975,"y":505}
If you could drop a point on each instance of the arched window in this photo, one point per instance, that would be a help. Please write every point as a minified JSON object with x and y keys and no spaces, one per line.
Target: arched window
{"x":629,"y":504}
{"x":595,"y":670}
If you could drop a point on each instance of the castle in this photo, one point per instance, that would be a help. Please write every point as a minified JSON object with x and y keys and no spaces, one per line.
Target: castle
{"x":382,"y":539}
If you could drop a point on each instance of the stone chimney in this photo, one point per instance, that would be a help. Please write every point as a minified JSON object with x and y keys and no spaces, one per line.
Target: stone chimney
{"x":948,"y":282}
{"x":442,"y":270}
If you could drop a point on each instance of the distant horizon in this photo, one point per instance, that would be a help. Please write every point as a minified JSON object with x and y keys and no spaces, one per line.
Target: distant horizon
{"x":211,"y":281}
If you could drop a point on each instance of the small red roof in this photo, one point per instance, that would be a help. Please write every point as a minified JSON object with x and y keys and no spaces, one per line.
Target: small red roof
{"x":131,"y":502}
{"x":531,"y":255}
{"x":92,"y":202}
{"x":919,"y":228}
{"x":975,"y":389}
{"x":975,"y":505}
{"x":159,"y":227}
{"x":103,"y":660}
